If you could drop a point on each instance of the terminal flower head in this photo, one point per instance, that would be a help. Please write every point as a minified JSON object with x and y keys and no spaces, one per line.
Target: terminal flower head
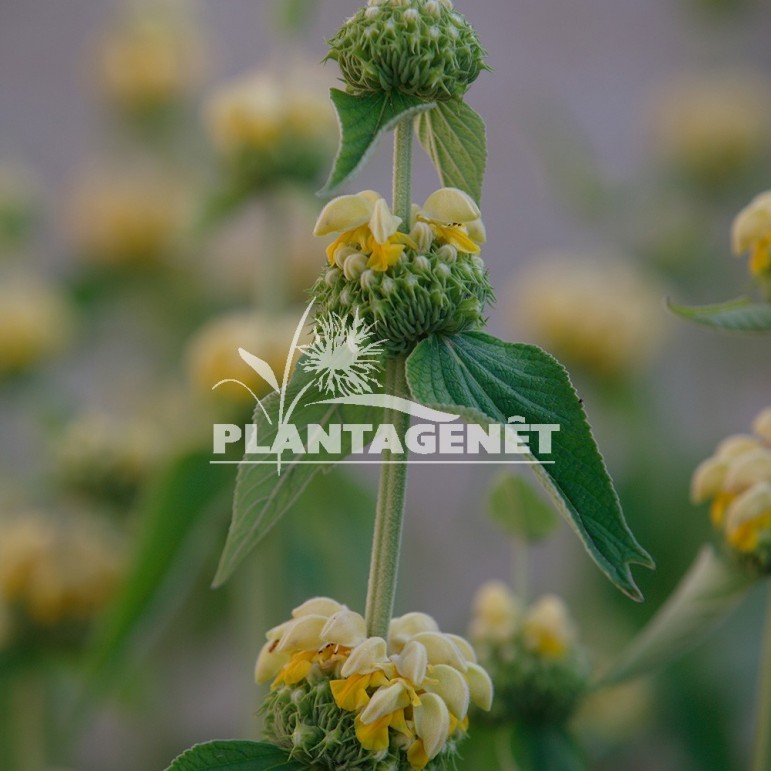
{"x":404,"y":700}
{"x":751,"y":233}
{"x":366,"y":226}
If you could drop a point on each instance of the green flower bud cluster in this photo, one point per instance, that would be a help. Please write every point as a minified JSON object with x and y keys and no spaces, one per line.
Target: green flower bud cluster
{"x":305,"y":720}
{"x":533,"y":688}
{"x":423,"y":48}
{"x":440,"y":292}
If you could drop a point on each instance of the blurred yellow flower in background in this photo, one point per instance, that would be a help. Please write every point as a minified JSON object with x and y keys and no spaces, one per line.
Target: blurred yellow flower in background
{"x":54,"y":571}
{"x":128,"y":217}
{"x":212,"y":353}
{"x":547,"y":628}
{"x":101,"y":455}
{"x":736,"y":480}
{"x":751,"y":232}
{"x":262,"y":111}
{"x":35,"y":322}
{"x":152,"y":58}
{"x":712,"y":126}
{"x":496,"y":613}
{"x":602,"y":316}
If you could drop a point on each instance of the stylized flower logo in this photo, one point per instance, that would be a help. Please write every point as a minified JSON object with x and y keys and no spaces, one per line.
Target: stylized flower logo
{"x":344,"y":356}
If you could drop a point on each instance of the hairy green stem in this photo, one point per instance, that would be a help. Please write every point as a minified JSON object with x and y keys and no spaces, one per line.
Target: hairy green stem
{"x":761,"y":757}
{"x":386,"y":543}
{"x":403,"y":172}
{"x":389,"y":516}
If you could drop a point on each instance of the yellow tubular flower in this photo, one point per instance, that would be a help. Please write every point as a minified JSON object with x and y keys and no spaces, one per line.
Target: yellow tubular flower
{"x":365,"y":224}
{"x":455,"y":219}
{"x":751,"y":232}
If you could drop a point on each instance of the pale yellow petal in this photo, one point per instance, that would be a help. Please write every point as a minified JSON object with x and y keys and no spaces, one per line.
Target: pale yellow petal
{"x":318,"y":606}
{"x":345,"y":628}
{"x":342,"y":214}
{"x":748,"y":469}
{"x":441,"y":650}
{"x":752,"y":223}
{"x":707,"y":480}
{"x":448,"y":683}
{"x":383,"y":223}
{"x":407,"y":626}
{"x":432,"y":723}
{"x":412,"y":662}
{"x":366,"y":658}
{"x":302,"y":634}
{"x":480,"y":686}
{"x":451,"y":205}
{"x":269,"y":663}
{"x":385,"y":701}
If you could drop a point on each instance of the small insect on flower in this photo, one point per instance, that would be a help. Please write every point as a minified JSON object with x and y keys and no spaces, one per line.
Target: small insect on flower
{"x":344,"y":355}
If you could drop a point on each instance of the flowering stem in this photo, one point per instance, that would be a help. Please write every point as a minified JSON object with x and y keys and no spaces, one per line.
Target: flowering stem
{"x":386,"y":544}
{"x":389,"y":516}
{"x":761,"y":760}
{"x":403,"y":172}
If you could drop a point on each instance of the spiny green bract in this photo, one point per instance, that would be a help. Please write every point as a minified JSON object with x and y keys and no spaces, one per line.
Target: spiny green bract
{"x":305,"y":720}
{"x":419,"y":47}
{"x":441,"y":292}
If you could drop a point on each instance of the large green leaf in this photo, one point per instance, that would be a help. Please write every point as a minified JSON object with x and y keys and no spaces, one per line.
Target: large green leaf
{"x":174,"y":537}
{"x":454,"y":136}
{"x":485,"y":380}
{"x":235,"y":756}
{"x":363,"y":119}
{"x":706,"y":596}
{"x":262,"y":494}
{"x":740,"y":315}
{"x":518,"y":509}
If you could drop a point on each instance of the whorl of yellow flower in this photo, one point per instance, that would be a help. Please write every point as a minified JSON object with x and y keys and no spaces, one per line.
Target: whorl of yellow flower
{"x":127,"y":218}
{"x":212,"y":354}
{"x":365,"y":226}
{"x":736,"y":480}
{"x":751,"y":232}
{"x":411,"y":692}
{"x":55,"y":571}
{"x":598,"y":315}
{"x":35,"y":322}
{"x":151,"y":60}
{"x":496,"y":613}
{"x":712,"y":126}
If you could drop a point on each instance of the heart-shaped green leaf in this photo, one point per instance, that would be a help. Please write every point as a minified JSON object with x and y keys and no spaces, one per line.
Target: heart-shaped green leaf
{"x":363,"y":119}
{"x":485,"y":380}
{"x":454,"y":136}
{"x":235,"y":756}
{"x":740,"y":315}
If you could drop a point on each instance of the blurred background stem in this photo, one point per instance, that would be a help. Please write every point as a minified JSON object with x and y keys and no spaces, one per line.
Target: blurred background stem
{"x":28,"y":732}
{"x":761,"y":760}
